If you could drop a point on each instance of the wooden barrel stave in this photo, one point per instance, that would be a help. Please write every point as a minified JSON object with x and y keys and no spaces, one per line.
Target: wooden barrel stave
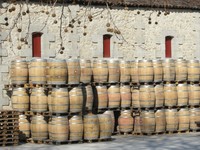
{"x":59,"y":100}
{"x":114,"y":96}
{"x":38,"y":71}
{"x":56,"y":71}
{"x":100,"y":71}
{"x":147,"y":96}
{"x":171,"y":120}
{"x":125,"y":122}
{"x":76,"y":128}
{"x":183,"y":119}
{"x":160,"y":121}
{"x":20,"y":99}
{"x":59,"y":128}
{"x":145,"y":71}
{"x":86,"y":71}
{"x":91,"y":127}
{"x":76,"y":99}
{"x":105,"y":126}
{"x":113,"y":71}
{"x":39,"y":128}
{"x":19,"y":72}
{"x":193,"y":69}
{"x":148,"y":122}
{"x":125,"y":74}
{"x":182,"y":92}
{"x":168,"y":70}
{"x":125,"y":94}
{"x":38,"y":100}
{"x":73,"y":66}
{"x":171,"y":97}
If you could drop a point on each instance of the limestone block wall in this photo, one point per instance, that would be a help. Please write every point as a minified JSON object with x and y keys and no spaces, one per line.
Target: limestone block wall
{"x":135,"y":37}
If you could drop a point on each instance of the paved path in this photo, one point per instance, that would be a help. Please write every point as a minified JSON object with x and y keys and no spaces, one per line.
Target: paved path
{"x":190,"y":141}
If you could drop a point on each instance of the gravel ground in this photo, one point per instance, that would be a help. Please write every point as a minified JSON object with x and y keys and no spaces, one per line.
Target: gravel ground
{"x":190,"y":141}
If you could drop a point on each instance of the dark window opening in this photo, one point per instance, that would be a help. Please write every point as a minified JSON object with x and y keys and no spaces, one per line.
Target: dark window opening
{"x":36,"y":44}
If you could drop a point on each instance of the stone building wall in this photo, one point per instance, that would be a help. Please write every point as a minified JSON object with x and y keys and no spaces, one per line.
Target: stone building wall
{"x":137,"y":38}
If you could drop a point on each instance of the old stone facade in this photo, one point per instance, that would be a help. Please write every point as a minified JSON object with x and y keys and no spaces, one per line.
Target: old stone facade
{"x":133,"y":34}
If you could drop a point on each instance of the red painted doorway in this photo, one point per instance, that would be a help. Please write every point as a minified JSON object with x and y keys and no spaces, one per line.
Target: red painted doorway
{"x":36,"y":44}
{"x":106,"y":45}
{"x":168,"y":46}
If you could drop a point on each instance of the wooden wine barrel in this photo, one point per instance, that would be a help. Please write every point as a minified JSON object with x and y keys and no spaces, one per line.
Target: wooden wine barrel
{"x":145,"y":71}
{"x":56,"y":71}
{"x":171,"y":120}
{"x":89,"y":97}
{"x":181,"y":70}
{"x":111,"y":113}
{"x":125,"y":94}
{"x":147,"y":96}
{"x":100,"y":71}
{"x":125,"y":68}
{"x":38,"y":71}
{"x":113,"y":71}
{"x":125,"y":121}
{"x":91,"y":127}
{"x":148,"y":122}
{"x":194,"y":117}
{"x":38,"y":100}
{"x":171,"y":96}
{"x":76,"y":99}
{"x":160,"y":121}
{"x":182,"y":92}
{"x":193,"y":69}
{"x":86,"y":71}
{"x":159,"y":95}
{"x":194,"y":94}
{"x":114,"y":96}
{"x":58,"y":102}
{"x":183,"y":119}
{"x":20,"y":99}
{"x":19,"y":72}
{"x":137,"y":124}
{"x":102,"y":97}
{"x":105,"y":126}
{"x":135,"y":97}
{"x":76,"y":128}
{"x":73,"y":66}
{"x":24,"y":127}
{"x":59,"y":128}
{"x":168,"y":70}
{"x":134,"y":71}
{"x":39,"y":128}
{"x":158,"y":70}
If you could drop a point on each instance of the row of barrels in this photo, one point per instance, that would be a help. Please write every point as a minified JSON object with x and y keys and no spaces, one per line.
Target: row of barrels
{"x":58,"y":100}
{"x":64,"y":128}
{"x":74,"y":71}
{"x":159,"y":121}
{"x":64,"y":100}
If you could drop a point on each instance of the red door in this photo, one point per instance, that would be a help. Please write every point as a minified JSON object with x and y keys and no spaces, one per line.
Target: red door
{"x":106,"y":45}
{"x":168,"y":47}
{"x":36,"y":44}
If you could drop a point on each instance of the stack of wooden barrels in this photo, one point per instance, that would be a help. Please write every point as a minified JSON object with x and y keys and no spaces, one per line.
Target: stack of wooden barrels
{"x":58,"y":97}
{"x":88,"y":100}
{"x":165,"y":97}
